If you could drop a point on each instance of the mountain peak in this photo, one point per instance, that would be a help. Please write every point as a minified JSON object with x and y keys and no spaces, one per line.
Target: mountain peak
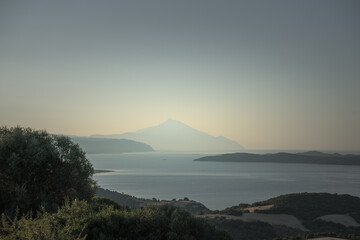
{"x":173,"y":123}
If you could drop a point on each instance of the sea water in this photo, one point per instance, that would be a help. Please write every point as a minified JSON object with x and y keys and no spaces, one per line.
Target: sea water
{"x":217,"y":184}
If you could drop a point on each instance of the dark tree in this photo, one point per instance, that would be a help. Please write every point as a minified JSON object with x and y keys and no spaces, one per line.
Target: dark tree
{"x":38,"y":169}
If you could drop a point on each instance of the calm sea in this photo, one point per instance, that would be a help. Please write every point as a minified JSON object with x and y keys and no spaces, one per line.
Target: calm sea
{"x":218,"y":185}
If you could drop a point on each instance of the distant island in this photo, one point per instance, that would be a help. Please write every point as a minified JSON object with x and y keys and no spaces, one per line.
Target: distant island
{"x":310,"y":157}
{"x":173,"y":135}
{"x":105,"y":145}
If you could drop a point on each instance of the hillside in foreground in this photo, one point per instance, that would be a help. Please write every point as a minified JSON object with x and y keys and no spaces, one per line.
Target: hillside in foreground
{"x":291,"y":216}
{"x":305,"y":215}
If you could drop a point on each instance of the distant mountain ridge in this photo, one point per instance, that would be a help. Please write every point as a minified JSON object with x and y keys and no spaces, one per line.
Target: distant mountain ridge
{"x":311,"y":157}
{"x":104,"y":145}
{"x":173,"y":135}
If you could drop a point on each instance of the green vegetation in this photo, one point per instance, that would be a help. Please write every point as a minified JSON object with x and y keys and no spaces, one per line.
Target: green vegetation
{"x":38,"y":169}
{"x":244,"y":230}
{"x":103,"y":219}
{"x":325,"y":226}
{"x":308,"y":206}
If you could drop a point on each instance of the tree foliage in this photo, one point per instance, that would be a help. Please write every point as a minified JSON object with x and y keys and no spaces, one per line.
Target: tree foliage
{"x":102,"y":219}
{"x":38,"y":169}
{"x":239,"y":229}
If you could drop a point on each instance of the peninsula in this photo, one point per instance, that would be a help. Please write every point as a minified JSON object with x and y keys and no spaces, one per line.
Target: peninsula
{"x":311,"y":157}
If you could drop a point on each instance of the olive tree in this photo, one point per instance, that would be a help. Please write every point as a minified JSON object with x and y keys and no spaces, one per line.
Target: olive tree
{"x":39,"y":169}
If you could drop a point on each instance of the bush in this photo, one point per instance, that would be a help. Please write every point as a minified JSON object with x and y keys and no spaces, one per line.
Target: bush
{"x":102,"y":219}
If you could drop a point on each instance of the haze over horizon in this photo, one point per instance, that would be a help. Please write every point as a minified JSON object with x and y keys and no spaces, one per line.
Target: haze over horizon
{"x":267,"y":74}
{"x":173,"y":135}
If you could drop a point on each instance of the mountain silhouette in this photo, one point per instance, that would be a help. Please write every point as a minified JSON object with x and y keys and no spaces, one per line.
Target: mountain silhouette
{"x":173,"y":135}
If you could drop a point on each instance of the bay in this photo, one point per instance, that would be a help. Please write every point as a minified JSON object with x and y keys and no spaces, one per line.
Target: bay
{"x":217,"y":185}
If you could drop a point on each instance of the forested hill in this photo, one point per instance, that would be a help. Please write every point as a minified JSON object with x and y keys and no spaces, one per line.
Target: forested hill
{"x":293,"y":216}
{"x":312,"y":157}
{"x":308,"y":206}
{"x":103,"y":145}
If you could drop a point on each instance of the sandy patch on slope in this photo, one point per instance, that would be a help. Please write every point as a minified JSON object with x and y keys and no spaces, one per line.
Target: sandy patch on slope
{"x":252,"y":209}
{"x":343,"y":219}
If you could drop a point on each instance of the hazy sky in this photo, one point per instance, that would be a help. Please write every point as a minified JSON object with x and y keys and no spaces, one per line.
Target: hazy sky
{"x":268,"y":74}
